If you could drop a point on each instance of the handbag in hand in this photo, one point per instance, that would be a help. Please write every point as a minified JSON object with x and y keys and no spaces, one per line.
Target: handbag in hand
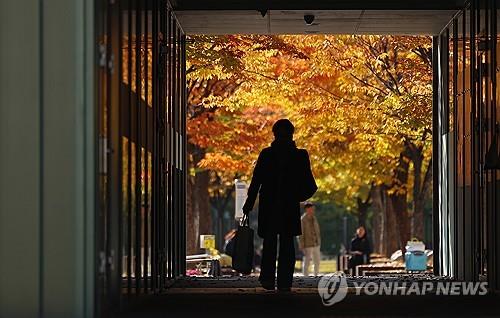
{"x":243,"y":250}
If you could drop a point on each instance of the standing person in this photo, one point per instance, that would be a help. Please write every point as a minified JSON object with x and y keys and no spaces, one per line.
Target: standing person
{"x":360,"y":248}
{"x":282,"y":177}
{"x":310,"y":240}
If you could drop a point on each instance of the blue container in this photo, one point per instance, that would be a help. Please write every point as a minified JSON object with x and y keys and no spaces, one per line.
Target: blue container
{"x":415,"y":261}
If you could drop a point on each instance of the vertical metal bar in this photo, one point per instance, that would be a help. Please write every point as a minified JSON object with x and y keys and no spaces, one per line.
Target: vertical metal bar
{"x":464,"y":55}
{"x":486,"y":120}
{"x":478,"y":150}
{"x":138,"y":194}
{"x":184,"y":156}
{"x":129,"y":151}
{"x":478,"y":134}
{"x":179,"y":153}
{"x":455,"y":141}
{"x":488,"y":135}
{"x":161,"y":146}
{"x":435,"y":153}
{"x":168,"y":133}
{"x":107,"y":134}
{"x":107,"y":154}
{"x":154,"y":170}
{"x":119,"y":256}
{"x":160,"y":132}
{"x":180,"y":258}
{"x":493,"y":256}
{"x":100,"y":279}
{"x":146,"y":148}
{"x":168,"y":144}
{"x":479,"y":140}
{"x":164,"y":102}
{"x":158,"y":135}
{"x":173,"y":146}
{"x":445,"y":99}
{"x":444,"y":129}
{"x":114,"y":160}
{"x":178,"y":150}
{"x":174,"y":150}
{"x":473,"y":132}
{"x":176,"y":153}
{"x":171,"y":132}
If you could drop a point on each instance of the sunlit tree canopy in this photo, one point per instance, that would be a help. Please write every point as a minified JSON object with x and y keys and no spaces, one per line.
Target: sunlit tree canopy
{"x":361,"y":106}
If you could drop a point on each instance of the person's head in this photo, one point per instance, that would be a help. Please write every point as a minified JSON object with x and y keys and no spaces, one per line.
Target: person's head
{"x":283,"y":129}
{"x":309,"y":208}
{"x":360,"y":231}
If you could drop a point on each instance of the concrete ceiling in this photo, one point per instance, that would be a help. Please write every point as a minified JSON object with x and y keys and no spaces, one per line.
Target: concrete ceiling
{"x":259,"y":5}
{"x":400,"y":22}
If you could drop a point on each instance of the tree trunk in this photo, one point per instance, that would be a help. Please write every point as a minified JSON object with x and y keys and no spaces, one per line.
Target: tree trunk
{"x":418,"y":202}
{"x":391,"y":230}
{"x":202,"y":181}
{"x":192,"y":219}
{"x":419,"y":198}
{"x":400,"y":208}
{"x":219,"y":202}
{"x":399,"y":202}
{"x":362,"y":211}
{"x":198,"y":214}
{"x":378,"y":225}
{"x":387,"y":238}
{"x":420,"y":185}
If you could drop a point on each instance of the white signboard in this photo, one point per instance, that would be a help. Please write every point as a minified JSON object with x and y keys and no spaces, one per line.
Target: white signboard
{"x":240,"y":195}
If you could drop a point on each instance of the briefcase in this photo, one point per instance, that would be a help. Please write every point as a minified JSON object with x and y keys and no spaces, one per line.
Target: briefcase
{"x":243,"y":251}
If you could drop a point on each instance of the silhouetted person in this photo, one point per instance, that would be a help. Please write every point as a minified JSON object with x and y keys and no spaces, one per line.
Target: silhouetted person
{"x":360,"y":248}
{"x":282,"y":176}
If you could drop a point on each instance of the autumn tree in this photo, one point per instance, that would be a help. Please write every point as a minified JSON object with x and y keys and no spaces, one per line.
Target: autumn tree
{"x":395,"y":73}
{"x":223,"y":132}
{"x":361,"y":106}
{"x":372,"y":96}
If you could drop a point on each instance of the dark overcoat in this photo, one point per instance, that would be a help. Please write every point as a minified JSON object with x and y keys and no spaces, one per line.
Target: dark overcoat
{"x":282,"y":177}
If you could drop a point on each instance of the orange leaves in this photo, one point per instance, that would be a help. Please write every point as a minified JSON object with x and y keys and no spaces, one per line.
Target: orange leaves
{"x":232,"y":140}
{"x":353,"y":100}
{"x":223,"y":162}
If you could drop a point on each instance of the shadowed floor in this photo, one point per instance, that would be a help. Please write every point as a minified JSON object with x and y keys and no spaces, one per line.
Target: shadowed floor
{"x":243,"y":297}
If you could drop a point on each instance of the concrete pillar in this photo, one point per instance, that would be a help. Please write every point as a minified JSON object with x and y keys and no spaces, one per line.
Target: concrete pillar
{"x":46,"y":158}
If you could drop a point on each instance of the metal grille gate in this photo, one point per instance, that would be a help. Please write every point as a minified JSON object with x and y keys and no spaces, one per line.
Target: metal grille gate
{"x":468,"y":116}
{"x":141,"y":146}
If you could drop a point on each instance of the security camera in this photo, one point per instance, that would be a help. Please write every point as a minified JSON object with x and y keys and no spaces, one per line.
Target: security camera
{"x":309,"y":18}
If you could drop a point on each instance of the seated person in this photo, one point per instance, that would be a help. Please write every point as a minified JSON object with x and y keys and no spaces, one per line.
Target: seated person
{"x":360,"y":248}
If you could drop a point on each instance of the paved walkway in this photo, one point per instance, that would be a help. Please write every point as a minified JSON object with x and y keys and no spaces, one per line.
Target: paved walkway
{"x":242,"y":297}
{"x":250,"y":284}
